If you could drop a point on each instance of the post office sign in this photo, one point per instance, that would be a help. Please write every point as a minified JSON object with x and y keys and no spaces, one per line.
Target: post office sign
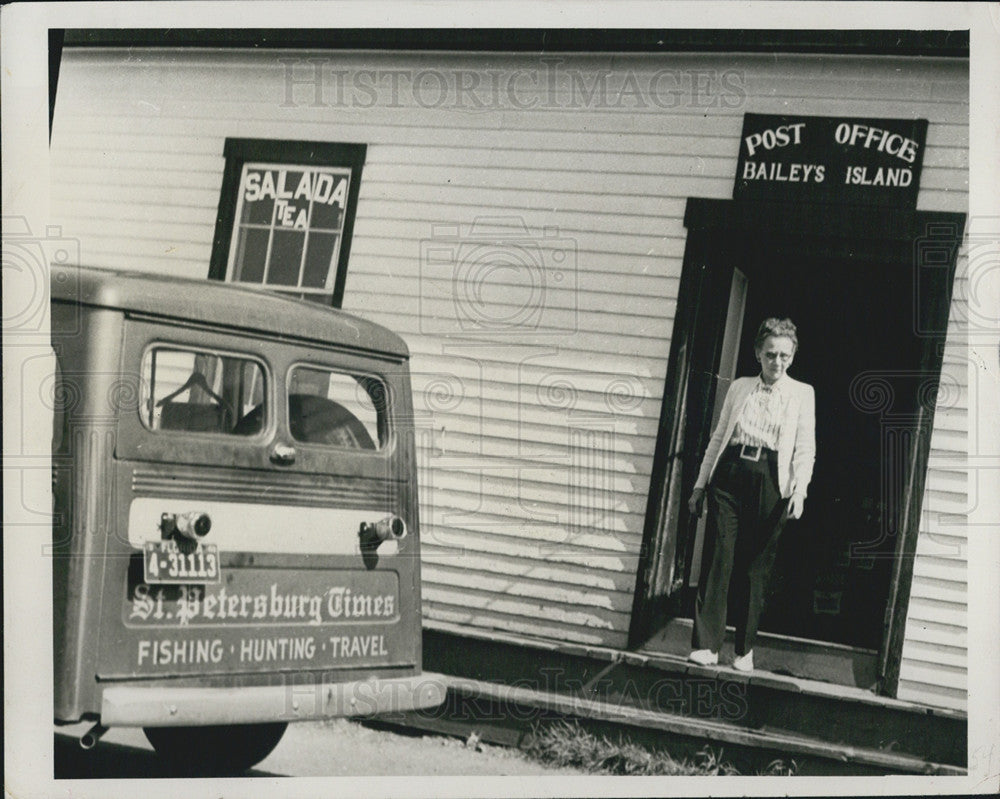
{"x":842,"y":160}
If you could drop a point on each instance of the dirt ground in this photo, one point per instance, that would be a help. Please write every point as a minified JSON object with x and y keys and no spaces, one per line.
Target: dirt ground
{"x":342,"y":748}
{"x":335,"y":748}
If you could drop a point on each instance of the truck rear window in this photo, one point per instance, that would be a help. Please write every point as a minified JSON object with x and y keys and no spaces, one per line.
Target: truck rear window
{"x":337,"y":409}
{"x":202,"y":392}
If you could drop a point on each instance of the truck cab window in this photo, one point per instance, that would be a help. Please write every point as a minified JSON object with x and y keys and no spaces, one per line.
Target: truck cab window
{"x":202,"y":392}
{"x":336,"y":409}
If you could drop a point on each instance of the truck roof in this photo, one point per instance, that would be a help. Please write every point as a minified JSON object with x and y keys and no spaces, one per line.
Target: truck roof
{"x":226,"y":304}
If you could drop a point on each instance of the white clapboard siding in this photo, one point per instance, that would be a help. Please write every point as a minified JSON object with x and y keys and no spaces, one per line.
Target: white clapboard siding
{"x":935,"y":649}
{"x":536,"y":442}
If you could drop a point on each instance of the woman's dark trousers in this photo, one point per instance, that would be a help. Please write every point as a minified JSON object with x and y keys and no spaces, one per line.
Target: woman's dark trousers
{"x":745,"y":517}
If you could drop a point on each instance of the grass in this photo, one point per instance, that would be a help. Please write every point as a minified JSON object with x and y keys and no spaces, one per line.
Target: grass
{"x":567,"y":744}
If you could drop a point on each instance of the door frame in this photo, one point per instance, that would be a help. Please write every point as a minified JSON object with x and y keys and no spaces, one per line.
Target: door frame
{"x":718,"y":230}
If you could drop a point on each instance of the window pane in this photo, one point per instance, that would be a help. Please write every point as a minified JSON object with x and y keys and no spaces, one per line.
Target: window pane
{"x":328,"y":217}
{"x":257,"y":209}
{"x":290,"y":185}
{"x":286,"y":258}
{"x":340,"y":410}
{"x":251,"y":252}
{"x":201,"y":392}
{"x":319,"y":259}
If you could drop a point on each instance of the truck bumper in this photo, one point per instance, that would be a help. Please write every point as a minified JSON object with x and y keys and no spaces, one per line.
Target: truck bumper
{"x":165,"y":706}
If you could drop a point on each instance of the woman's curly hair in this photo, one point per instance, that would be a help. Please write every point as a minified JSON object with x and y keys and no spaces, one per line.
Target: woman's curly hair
{"x":776,"y":327}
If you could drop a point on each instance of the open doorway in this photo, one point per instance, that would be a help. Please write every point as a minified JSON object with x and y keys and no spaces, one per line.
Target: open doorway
{"x":855,"y":324}
{"x":870,"y":329}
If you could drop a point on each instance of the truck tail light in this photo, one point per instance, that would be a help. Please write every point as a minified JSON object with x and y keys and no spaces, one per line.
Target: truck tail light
{"x":391,"y":528}
{"x":185,"y":528}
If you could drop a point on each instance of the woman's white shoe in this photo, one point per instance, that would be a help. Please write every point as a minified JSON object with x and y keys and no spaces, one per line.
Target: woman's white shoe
{"x":704,"y":657}
{"x":744,"y":662}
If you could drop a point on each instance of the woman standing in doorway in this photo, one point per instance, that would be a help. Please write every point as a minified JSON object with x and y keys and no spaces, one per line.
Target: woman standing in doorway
{"x":756,"y":469}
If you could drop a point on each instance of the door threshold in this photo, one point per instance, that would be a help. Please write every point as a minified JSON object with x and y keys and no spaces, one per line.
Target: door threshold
{"x":781,"y":655}
{"x":785,"y":682}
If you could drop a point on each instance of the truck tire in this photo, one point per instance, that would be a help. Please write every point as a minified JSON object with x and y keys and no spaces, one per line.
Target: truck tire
{"x":214,"y":751}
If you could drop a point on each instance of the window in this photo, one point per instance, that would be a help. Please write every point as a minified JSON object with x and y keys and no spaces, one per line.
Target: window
{"x":202,"y":392}
{"x":286,"y":216}
{"x":340,"y":410}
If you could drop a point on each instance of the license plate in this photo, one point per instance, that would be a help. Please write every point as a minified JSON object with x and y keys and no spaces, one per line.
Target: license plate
{"x":165,"y":563}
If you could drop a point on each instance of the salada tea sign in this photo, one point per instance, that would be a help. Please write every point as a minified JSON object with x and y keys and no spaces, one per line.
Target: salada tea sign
{"x":289,"y":226}
{"x":830,"y":159}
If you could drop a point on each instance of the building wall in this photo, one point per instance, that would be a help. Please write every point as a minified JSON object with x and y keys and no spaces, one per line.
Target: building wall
{"x":537,"y":437}
{"x":935,"y":650}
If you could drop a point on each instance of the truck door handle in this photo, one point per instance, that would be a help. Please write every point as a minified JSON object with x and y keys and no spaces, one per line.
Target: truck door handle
{"x":283,"y":454}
